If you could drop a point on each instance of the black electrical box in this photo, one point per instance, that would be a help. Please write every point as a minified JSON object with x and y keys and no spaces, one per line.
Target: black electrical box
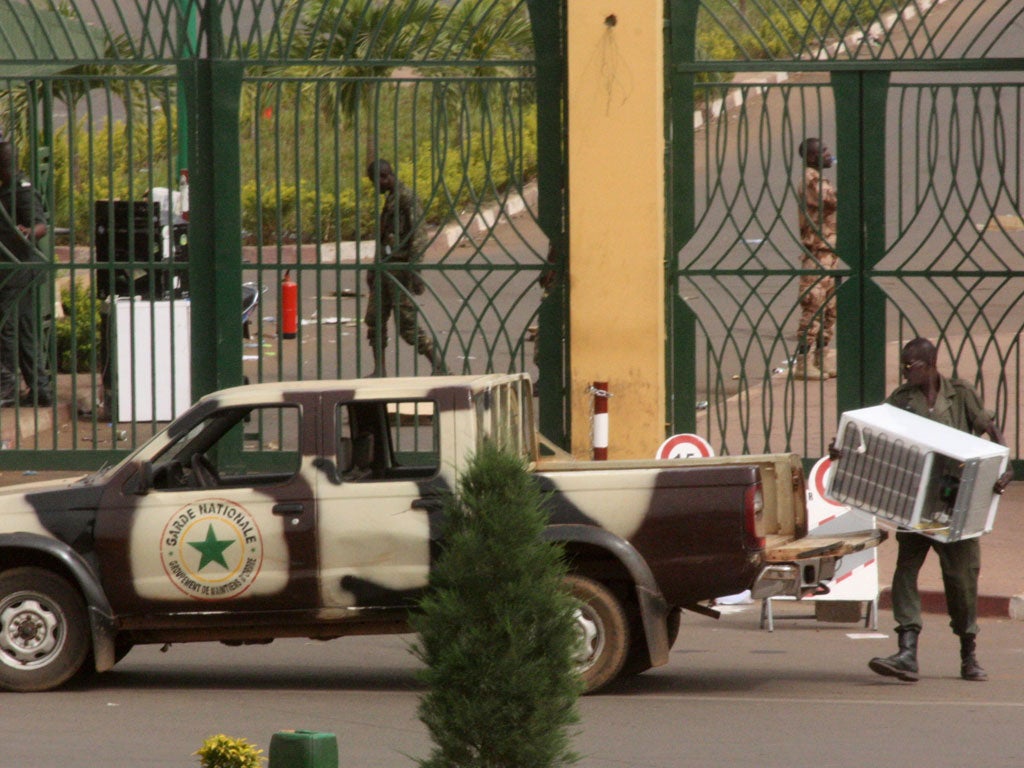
{"x":130,"y":249}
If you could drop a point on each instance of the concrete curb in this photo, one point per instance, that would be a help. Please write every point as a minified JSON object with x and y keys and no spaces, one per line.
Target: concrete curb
{"x":474,"y":224}
{"x":989,"y":606}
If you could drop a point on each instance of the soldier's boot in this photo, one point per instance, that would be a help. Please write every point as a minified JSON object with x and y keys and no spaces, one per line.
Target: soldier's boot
{"x":437,"y":366}
{"x":970,"y":669}
{"x":903,"y":663}
{"x":821,"y":362}
{"x":379,"y":368}
{"x":806,"y":370}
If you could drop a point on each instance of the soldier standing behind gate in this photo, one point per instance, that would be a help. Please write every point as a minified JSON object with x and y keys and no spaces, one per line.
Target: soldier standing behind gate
{"x":399,"y":240}
{"x":23,"y":223}
{"x":817,"y":208}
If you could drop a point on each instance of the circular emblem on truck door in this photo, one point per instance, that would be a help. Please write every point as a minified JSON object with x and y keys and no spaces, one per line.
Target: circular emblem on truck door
{"x":212,"y":549}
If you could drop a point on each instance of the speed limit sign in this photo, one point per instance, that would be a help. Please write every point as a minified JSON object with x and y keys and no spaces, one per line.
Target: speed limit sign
{"x":685,"y":446}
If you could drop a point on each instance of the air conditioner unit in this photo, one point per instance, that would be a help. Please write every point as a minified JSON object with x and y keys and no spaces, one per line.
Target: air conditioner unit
{"x":917,"y":474}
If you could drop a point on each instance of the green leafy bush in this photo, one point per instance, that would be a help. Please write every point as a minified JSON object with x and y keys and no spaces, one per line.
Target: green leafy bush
{"x":77,"y":332}
{"x":446,"y":178}
{"x":107,"y":162}
{"x":222,"y":751}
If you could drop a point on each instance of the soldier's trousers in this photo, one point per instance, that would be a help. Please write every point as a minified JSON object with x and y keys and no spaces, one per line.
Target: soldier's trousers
{"x":397,"y":301}
{"x":960,"y":562}
{"x":817,"y":301}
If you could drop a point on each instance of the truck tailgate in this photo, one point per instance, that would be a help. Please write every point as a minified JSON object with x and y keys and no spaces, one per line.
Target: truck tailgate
{"x":782,"y":549}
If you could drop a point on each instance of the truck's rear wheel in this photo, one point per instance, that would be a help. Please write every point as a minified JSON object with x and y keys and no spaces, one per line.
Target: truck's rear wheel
{"x":603,"y":632}
{"x":43,"y":630}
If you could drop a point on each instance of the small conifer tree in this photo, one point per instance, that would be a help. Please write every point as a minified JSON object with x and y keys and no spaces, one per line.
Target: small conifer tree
{"x":497,"y":629}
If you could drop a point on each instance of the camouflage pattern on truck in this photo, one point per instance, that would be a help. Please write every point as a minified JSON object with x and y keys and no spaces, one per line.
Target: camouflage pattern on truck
{"x":313,"y":510}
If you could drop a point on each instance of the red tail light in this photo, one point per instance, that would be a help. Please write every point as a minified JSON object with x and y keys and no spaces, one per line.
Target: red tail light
{"x":753,"y":505}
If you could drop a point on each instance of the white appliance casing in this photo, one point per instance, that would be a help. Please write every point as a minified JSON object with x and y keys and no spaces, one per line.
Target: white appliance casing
{"x":913,"y":473}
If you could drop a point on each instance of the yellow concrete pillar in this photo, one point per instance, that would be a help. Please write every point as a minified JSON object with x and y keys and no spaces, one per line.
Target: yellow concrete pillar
{"x":617,"y":220}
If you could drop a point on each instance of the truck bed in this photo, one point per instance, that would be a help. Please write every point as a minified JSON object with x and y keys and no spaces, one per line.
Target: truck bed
{"x":784,"y":521}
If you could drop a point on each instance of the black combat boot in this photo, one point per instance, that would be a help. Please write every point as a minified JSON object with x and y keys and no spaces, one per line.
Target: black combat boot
{"x":902,"y":664}
{"x":969,"y":667}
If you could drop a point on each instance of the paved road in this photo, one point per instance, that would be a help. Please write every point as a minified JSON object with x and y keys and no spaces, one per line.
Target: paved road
{"x":731,"y":695}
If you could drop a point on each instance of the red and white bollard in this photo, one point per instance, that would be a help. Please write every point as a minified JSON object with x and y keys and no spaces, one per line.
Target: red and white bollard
{"x":599,"y":422}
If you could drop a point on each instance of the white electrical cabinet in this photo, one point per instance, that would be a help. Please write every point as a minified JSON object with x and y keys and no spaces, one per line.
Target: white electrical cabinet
{"x":916,"y":474}
{"x":154,"y":359}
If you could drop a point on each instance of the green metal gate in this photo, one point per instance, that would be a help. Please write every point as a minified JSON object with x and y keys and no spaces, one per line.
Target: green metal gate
{"x":922,"y":103}
{"x":199,"y":146}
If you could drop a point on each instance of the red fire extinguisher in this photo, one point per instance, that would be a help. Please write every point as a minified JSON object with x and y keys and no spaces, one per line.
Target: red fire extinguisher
{"x":289,"y":307}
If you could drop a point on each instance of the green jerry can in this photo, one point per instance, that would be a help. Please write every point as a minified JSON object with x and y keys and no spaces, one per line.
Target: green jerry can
{"x":303,"y":749}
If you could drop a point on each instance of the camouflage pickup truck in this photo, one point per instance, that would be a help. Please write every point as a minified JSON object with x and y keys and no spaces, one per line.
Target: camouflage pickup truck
{"x":312,"y":510}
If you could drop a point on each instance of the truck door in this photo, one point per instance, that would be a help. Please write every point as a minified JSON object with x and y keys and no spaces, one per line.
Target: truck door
{"x":380,"y":509}
{"x":218,"y":515}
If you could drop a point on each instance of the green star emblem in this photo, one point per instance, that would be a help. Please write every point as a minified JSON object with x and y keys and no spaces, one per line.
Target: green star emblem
{"x":211,"y":549}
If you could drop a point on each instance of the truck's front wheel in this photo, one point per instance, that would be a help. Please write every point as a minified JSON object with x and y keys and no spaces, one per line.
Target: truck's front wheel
{"x":43,"y":630}
{"x":603,"y":632}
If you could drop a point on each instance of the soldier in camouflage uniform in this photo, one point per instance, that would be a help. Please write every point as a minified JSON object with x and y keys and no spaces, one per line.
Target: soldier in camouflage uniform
{"x":400,"y":240}
{"x":817,"y":208}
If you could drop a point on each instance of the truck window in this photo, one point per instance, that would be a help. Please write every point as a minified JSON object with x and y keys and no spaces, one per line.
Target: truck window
{"x":269,"y":451}
{"x":233,"y":447}
{"x":504,"y":415}
{"x":381,"y":440}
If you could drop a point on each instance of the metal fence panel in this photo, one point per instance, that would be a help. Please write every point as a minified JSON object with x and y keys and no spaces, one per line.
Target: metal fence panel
{"x":196,"y":155}
{"x":921,"y":102}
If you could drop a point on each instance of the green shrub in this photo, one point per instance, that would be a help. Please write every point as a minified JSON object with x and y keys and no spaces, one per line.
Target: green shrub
{"x":497,"y":629}
{"x":107,"y":162}
{"x":446,"y":178}
{"x":77,"y":332}
{"x":222,"y":751}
